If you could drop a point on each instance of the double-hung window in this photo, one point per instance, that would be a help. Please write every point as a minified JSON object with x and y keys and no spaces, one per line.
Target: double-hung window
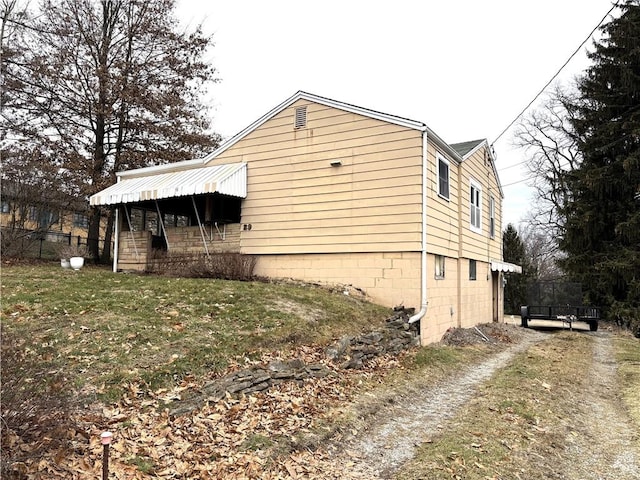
{"x":443,"y":177}
{"x":475,"y":207}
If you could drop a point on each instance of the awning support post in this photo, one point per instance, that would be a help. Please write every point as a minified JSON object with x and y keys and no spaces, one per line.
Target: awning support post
{"x":116,"y":242}
{"x":133,"y":240}
{"x":204,"y":240}
{"x":164,"y":230}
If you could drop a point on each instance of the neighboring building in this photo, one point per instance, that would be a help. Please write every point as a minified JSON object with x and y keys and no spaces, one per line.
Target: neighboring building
{"x":29,"y":214}
{"x":321,"y":190}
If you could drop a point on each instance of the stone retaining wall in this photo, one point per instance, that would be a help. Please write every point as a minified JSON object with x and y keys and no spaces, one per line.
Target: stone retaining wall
{"x":348,"y":352}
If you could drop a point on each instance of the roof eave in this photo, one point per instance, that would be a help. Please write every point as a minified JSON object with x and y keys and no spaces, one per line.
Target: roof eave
{"x":443,"y":145}
{"x":492,"y":160}
{"x":301,"y":95}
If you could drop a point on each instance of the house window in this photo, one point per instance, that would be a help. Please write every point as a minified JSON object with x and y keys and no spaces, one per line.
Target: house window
{"x":472,"y":269}
{"x":439,"y":266}
{"x":492,"y":217}
{"x":5,"y":207}
{"x":443,"y":177}
{"x":52,"y":217}
{"x":300,"y":120}
{"x":475,"y":207}
{"x":80,"y":220}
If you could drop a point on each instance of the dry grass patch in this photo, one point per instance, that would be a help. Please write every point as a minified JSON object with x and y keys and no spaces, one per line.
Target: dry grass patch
{"x":627,"y":351}
{"x":520,"y":418}
{"x":104,"y":330}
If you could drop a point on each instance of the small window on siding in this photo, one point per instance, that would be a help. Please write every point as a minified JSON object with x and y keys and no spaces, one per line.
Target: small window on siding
{"x":472,"y":269}
{"x":443,"y":178}
{"x":439,"y":266}
{"x":80,"y":220}
{"x":475,"y":207}
{"x":301,"y":117}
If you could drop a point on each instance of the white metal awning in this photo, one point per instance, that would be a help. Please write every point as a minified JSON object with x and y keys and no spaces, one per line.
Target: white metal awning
{"x":228,"y":179}
{"x":507,"y":267}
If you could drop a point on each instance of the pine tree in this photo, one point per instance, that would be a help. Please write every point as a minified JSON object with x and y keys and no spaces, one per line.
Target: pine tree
{"x":602,"y":231}
{"x":514,"y":251}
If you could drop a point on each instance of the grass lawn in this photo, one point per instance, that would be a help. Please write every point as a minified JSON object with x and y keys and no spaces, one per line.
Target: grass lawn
{"x":97,"y":331}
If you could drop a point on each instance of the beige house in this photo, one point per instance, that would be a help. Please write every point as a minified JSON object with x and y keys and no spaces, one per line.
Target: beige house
{"x":326,"y":191}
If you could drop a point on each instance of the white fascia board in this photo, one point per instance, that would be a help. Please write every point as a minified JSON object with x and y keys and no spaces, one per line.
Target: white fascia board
{"x":476,"y":148}
{"x":443,"y":145}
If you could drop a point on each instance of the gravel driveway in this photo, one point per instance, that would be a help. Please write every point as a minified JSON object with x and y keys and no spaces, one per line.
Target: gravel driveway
{"x":603,"y":446}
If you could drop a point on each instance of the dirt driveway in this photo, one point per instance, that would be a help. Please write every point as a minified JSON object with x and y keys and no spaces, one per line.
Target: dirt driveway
{"x":563,"y":422}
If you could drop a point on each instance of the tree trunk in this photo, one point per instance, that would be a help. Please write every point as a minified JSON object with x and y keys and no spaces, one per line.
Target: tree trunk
{"x":106,"y":249}
{"x":93,"y":235}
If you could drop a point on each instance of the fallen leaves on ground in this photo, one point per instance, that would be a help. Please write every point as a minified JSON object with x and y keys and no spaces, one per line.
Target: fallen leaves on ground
{"x":260,"y":436}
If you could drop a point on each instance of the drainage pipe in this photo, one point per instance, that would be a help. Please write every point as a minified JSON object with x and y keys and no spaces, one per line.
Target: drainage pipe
{"x":423,"y":253}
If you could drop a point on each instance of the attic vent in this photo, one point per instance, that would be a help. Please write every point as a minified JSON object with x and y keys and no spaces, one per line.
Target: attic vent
{"x":301,"y":117}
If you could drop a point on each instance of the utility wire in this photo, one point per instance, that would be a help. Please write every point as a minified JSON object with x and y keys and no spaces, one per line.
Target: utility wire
{"x":518,"y":181}
{"x":557,"y":73}
{"x":513,"y":165}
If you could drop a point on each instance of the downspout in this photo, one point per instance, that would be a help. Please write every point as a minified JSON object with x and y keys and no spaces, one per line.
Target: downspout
{"x":423,"y":258}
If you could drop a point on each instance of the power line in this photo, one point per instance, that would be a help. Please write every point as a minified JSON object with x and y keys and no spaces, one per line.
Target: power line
{"x":557,"y":73}
{"x":513,"y":165}
{"x":518,"y":181}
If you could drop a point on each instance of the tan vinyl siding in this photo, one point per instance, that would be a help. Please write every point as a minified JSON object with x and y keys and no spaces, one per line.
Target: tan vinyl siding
{"x":442,"y":214}
{"x":475,"y":245}
{"x":298,"y":203}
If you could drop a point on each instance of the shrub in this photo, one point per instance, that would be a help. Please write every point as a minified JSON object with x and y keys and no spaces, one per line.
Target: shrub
{"x":225,"y":266}
{"x":17,"y":243}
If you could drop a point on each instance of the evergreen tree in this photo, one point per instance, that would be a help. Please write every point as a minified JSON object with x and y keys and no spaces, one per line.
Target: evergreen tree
{"x":602,"y":231}
{"x":514,"y":251}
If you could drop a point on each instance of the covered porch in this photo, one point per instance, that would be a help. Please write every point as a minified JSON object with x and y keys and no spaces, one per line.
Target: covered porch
{"x":162,"y":211}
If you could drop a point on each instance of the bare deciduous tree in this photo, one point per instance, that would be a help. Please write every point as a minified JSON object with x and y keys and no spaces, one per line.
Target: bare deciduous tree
{"x":549,"y":139}
{"x":101,"y":86}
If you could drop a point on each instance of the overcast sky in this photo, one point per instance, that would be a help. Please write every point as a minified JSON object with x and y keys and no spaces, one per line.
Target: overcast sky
{"x":466,"y":68}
